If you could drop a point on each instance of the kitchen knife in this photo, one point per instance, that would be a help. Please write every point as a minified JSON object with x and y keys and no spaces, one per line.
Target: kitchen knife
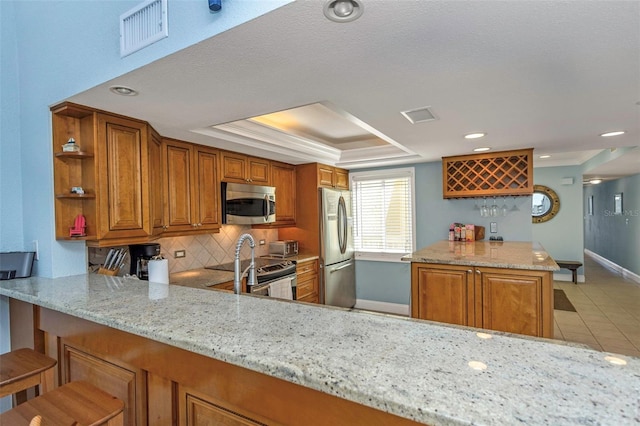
{"x":119,"y":259}
{"x":113,"y":259}
{"x":108,"y":259}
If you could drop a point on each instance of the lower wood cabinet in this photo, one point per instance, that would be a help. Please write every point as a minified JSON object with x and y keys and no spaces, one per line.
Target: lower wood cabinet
{"x":127,"y":384}
{"x":307,"y":281}
{"x":512,"y":300}
{"x":198,"y":409}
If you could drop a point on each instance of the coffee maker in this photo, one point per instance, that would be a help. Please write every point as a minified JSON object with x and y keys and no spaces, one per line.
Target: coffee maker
{"x":140,"y":256}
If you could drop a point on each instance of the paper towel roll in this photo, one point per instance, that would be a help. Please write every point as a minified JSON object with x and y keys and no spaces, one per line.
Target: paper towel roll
{"x":159,"y":271}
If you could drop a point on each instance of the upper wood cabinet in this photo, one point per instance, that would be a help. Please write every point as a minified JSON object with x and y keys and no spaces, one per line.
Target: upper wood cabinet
{"x":123,"y":207}
{"x":192,"y":190}
{"x":156,"y":184}
{"x":283,"y":178}
{"x":492,"y":174}
{"x":332,"y":177}
{"x":243,"y":169}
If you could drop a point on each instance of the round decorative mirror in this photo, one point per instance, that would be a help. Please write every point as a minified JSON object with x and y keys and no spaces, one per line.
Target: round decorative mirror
{"x":545,"y":204}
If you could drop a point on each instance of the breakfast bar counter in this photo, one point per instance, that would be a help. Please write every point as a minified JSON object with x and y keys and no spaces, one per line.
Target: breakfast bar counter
{"x":216,"y":354}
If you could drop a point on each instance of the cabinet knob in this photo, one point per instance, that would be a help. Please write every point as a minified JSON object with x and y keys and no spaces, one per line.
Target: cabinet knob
{"x":478,"y":271}
{"x":469,"y":271}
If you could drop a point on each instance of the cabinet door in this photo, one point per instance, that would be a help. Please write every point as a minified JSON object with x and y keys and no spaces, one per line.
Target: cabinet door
{"x":124,"y":177}
{"x":156,"y":183}
{"x":258,"y":171}
{"x":512,"y":303}
{"x":283,"y":177}
{"x":197,"y":409}
{"x":205,"y":192}
{"x":234,"y":167}
{"x":307,"y":281}
{"x":325,"y":176}
{"x":341,"y":178}
{"x":177,"y":160}
{"x":442,"y":294}
{"x":123,"y":383}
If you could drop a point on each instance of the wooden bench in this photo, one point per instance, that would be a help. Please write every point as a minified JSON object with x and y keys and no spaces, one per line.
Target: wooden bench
{"x":573,"y":266}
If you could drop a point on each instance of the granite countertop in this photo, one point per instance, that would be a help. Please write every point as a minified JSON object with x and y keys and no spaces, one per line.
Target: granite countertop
{"x":200,"y":278}
{"x":411,"y":368}
{"x":498,"y":254}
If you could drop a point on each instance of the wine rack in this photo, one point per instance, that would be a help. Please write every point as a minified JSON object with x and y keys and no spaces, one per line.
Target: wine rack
{"x":481,"y":175}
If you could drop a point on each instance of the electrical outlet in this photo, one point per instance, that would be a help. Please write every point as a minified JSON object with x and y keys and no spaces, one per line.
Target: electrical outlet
{"x":35,"y":248}
{"x":494,"y":227}
{"x":261,"y":242}
{"x":179,"y":253}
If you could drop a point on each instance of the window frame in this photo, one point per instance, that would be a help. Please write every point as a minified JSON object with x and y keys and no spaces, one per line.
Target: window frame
{"x":382,"y":256}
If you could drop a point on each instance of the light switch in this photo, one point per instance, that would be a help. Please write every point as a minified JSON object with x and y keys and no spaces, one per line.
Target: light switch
{"x":494,"y":227}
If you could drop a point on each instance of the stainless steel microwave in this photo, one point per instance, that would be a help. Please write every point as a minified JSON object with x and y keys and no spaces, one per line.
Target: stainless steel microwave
{"x":244,"y":204}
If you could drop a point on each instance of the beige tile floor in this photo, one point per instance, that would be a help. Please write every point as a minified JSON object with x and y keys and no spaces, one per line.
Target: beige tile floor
{"x":608,"y":311}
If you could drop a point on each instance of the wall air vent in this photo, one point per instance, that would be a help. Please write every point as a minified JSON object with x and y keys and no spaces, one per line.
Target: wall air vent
{"x":143,"y":25}
{"x":419,"y":115}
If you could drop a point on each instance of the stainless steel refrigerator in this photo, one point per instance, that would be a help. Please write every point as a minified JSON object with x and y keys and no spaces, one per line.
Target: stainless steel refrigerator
{"x":337,"y":263}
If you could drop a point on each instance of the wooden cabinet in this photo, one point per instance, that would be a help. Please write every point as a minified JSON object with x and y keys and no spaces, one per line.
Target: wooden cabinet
{"x":332,"y":177}
{"x":240,"y":168}
{"x":126,"y":384}
{"x":198,"y":409}
{"x":512,"y":300}
{"x":192,"y":190}
{"x":156,"y":183}
{"x":492,"y":174}
{"x":307,"y":281}
{"x":74,"y":169}
{"x":283,"y":178}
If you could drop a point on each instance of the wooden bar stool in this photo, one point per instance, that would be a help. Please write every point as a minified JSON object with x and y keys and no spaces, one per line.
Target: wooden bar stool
{"x":74,"y":404}
{"x":23,"y":369}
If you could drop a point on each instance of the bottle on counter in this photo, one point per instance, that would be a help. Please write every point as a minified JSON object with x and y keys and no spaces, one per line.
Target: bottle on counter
{"x":451,"y":232}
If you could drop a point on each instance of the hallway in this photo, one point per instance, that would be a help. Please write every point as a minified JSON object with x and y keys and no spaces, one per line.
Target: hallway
{"x":608,"y":311}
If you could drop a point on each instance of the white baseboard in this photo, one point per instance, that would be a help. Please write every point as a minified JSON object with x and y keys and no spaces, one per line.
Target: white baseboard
{"x":567,"y":277}
{"x":611,"y":265}
{"x":389,"y":308}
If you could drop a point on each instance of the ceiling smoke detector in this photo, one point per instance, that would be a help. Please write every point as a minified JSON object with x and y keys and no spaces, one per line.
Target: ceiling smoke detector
{"x":343,"y":10}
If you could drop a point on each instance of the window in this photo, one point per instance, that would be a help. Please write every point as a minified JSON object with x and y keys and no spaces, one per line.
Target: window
{"x":383,"y":213}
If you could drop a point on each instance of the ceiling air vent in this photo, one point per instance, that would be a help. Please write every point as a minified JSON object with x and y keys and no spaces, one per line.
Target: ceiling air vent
{"x":419,"y":115}
{"x":143,"y":25}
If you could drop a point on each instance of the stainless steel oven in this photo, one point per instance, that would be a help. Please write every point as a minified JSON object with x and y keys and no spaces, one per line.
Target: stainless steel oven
{"x":268,"y":271}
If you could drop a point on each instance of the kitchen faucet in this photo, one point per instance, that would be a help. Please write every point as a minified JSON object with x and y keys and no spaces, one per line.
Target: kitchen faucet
{"x":237,"y":274}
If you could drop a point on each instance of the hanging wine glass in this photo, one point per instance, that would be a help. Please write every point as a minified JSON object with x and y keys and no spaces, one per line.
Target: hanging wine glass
{"x":505,"y":208}
{"x":476,"y":207}
{"x":484,"y":210}
{"x":515,"y":207}
{"x":494,"y":208}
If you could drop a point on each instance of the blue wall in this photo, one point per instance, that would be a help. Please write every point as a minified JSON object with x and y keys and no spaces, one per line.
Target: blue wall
{"x":562,"y":236}
{"x":52,"y":50}
{"x":614,"y":237}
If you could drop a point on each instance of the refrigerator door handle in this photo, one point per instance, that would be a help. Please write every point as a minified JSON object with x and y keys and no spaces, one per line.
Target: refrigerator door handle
{"x":341,"y":267}
{"x":342,"y":225}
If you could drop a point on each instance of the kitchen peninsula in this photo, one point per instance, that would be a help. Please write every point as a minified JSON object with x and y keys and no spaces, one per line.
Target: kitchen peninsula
{"x":191,"y":355}
{"x":504,"y":286}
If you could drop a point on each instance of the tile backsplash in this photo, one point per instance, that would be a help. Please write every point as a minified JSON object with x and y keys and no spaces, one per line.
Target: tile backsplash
{"x":202,"y":250}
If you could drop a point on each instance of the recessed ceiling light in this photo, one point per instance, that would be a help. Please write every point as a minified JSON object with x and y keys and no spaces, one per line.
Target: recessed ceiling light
{"x":123,"y":90}
{"x":595,"y":181}
{"x":482,"y":149}
{"x":616,"y":133}
{"x":545,"y":156}
{"x":475,"y":135}
{"x":343,"y":10}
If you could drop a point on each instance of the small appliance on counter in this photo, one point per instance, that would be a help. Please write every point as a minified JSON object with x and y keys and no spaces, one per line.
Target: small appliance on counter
{"x":16,"y":264}
{"x":283,"y":248}
{"x":141,"y":254}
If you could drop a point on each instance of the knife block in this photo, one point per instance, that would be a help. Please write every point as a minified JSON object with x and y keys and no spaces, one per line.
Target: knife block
{"x":104,"y":271}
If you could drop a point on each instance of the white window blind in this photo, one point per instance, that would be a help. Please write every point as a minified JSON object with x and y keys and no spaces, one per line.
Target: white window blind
{"x":383,"y":205}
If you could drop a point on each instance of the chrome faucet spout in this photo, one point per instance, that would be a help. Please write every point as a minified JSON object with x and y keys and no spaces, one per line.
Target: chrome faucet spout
{"x":237,"y":270}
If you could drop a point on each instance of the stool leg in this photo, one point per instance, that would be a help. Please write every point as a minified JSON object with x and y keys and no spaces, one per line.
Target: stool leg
{"x":574,"y":272}
{"x":47,"y":381}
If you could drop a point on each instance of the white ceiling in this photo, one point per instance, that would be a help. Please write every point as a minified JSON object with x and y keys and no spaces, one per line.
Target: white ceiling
{"x":550,"y":75}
